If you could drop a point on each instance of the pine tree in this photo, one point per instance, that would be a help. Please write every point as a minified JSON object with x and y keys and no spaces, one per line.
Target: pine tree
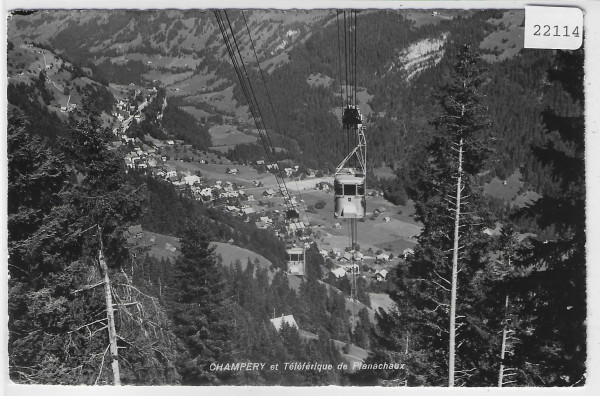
{"x":200,"y":307}
{"x":437,"y":289}
{"x":36,"y":177}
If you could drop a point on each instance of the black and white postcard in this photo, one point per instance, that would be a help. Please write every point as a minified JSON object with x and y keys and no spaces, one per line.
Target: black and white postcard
{"x":358,"y":194}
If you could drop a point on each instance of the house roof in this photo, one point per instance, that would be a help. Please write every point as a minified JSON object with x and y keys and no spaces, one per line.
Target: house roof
{"x":296,"y":226}
{"x":191,"y":179}
{"x":357,"y":256}
{"x":338,"y":272}
{"x":278,"y":322}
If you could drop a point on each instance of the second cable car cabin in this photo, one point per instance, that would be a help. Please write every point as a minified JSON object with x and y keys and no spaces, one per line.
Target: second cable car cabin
{"x":296,"y":261}
{"x":349,"y":194}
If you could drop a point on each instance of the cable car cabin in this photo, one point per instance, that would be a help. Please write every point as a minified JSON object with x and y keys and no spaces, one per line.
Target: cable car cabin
{"x":349,"y":195}
{"x":296,"y":261}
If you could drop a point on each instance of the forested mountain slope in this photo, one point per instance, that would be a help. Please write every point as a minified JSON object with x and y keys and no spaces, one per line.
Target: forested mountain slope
{"x":186,"y":50}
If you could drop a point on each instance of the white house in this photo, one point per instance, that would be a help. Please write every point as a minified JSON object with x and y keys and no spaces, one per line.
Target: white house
{"x":269,"y":193}
{"x":381,"y":275}
{"x":206,"y":192}
{"x":170,"y":172}
{"x":191,"y":180}
{"x":383,"y":256}
{"x":248,"y":210}
{"x":338,"y":272}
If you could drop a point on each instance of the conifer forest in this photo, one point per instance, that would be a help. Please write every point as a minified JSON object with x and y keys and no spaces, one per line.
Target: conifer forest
{"x":375,"y":197}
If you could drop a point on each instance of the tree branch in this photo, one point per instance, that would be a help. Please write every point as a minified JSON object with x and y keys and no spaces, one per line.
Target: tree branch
{"x":101,"y":364}
{"x":86,"y":325}
{"x":88,"y":287}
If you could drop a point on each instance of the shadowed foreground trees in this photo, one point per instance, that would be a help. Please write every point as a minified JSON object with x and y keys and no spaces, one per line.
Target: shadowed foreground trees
{"x":520,"y":304}
{"x":553,"y":349}
{"x":69,"y":206}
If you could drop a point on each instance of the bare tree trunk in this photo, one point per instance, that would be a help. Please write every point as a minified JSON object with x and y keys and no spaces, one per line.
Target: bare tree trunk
{"x":451,"y":354}
{"x":503,"y":350}
{"x":110,"y":315}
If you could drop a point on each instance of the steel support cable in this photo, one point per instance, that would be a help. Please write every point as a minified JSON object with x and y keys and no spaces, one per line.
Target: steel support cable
{"x":354,"y":82}
{"x":237,"y":69}
{"x":252,"y":103}
{"x":351,"y":60}
{"x":353,"y":223}
{"x":340,"y":59}
{"x":355,"y":55}
{"x":240,"y":77}
{"x":346,"y":87}
{"x":341,"y":77}
{"x":279,"y":180}
{"x":346,"y":57}
{"x":262,"y":76}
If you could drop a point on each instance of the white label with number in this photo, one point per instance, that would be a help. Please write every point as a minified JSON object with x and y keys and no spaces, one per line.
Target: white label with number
{"x":553,"y":27}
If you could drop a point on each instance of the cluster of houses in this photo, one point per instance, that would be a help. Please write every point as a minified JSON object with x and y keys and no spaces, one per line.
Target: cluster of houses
{"x":146,"y":154}
{"x":347,"y":263}
{"x":126,"y":112}
{"x":141,"y":156}
{"x":204,"y":191}
{"x":378,"y":275}
{"x":290,"y":171}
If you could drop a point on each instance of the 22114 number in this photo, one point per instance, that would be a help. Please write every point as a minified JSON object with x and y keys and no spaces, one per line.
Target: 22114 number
{"x":547,"y":30}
